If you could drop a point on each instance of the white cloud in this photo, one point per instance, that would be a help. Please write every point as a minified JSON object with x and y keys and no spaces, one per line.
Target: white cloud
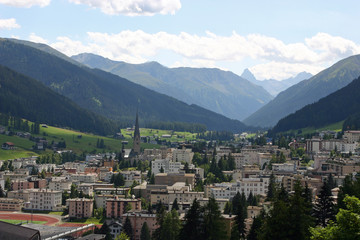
{"x":282,"y":70}
{"x":25,"y":3}
{"x":332,"y":47}
{"x":34,"y":38}
{"x":276,"y":59}
{"x":9,"y":23}
{"x":133,"y":7}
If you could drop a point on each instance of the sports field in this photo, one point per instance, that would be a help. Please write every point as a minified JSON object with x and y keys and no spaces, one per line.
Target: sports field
{"x":20,"y":217}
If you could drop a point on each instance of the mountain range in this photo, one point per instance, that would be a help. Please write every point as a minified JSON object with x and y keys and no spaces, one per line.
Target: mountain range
{"x":274,"y":87}
{"x":220,"y":91}
{"x":104,"y":93}
{"x":306,"y":92}
{"x":333,"y":108}
{"x":24,"y":97}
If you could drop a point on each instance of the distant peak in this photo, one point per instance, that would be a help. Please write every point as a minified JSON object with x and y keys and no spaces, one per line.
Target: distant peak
{"x":304,"y":75}
{"x":248,"y":75}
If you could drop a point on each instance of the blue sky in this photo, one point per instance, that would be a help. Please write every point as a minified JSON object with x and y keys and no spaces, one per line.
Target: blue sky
{"x":274,"y":39}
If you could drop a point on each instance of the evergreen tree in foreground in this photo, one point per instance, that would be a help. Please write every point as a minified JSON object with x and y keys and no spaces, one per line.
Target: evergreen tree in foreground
{"x":128,"y":228}
{"x":347,"y":224}
{"x":324,"y":209}
{"x":145,"y":232}
{"x":213,"y":225}
{"x":289,"y":217}
{"x":192,"y":229}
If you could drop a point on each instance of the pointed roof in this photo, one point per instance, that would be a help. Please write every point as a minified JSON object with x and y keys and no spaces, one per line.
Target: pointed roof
{"x":137,"y":130}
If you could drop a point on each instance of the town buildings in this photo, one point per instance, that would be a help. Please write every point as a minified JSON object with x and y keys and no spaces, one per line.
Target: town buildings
{"x":80,"y":207}
{"x":44,"y":199}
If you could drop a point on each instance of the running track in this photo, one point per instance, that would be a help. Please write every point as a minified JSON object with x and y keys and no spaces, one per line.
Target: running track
{"x":27,"y":217}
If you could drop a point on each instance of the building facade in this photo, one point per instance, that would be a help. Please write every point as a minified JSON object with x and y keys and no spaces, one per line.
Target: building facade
{"x":80,"y":207}
{"x":116,"y":207}
{"x":44,"y":199}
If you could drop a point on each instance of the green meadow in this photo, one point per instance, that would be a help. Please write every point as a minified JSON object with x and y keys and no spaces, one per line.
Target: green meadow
{"x":80,"y":142}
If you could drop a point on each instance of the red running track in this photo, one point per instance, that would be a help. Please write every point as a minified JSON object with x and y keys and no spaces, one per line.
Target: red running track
{"x":27,"y":217}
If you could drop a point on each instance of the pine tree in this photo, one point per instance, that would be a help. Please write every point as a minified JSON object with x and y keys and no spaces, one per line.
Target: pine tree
{"x":299,"y":215}
{"x":170,"y":228}
{"x":213,"y":226}
{"x":231,"y":162}
{"x":192,"y":229}
{"x":128,"y":228}
{"x":2,"y":194}
{"x":255,"y":227}
{"x":152,"y":179}
{"x":236,"y":202}
{"x":73,"y":191}
{"x":227,"y":208}
{"x":250,"y":198}
{"x":145,"y":232}
{"x":324,"y":210}
{"x":271,"y":188}
{"x":241,"y":212}
{"x":175,"y":205}
{"x":331,"y":182}
{"x":105,"y":230}
{"x":8,"y":184}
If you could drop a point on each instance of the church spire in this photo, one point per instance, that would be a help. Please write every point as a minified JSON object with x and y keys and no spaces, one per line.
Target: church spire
{"x":137,"y":130}
{"x":136,"y":144}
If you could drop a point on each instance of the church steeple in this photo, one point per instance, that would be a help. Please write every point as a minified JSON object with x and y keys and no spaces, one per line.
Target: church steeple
{"x":136,"y":144}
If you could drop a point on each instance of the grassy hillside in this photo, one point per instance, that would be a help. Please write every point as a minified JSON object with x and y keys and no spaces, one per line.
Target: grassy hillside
{"x":155,"y":133}
{"x":87,"y":142}
{"x":337,"y":127}
{"x":23,"y":148}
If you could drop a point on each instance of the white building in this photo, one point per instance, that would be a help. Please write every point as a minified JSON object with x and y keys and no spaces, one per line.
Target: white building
{"x":352,"y":136}
{"x":246,"y":157}
{"x":166,"y":165}
{"x":18,"y":163}
{"x":60,"y":185}
{"x":80,"y":167}
{"x":130,"y":177}
{"x":313,"y":146}
{"x":86,"y":188}
{"x":47,"y":167}
{"x":44,"y":199}
{"x":257,"y":186}
{"x":82,"y":177}
{"x":283,"y":167}
{"x":182,"y":155}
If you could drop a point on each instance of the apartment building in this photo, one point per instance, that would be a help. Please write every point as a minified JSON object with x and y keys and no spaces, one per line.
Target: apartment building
{"x":256,"y":186}
{"x":80,"y":207}
{"x":44,"y":199}
{"x":137,"y":219}
{"x":116,"y":207}
{"x":19,"y":194}
{"x":11,"y":204}
{"x":21,"y":184}
{"x":170,"y":179}
{"x":60,"y":185}
{"x":182,"y":155}
{"x":165,"y":164}
{"x":86,"y":178}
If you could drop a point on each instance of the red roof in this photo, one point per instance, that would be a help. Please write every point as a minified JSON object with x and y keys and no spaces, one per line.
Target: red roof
{"x":9,"y":143}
